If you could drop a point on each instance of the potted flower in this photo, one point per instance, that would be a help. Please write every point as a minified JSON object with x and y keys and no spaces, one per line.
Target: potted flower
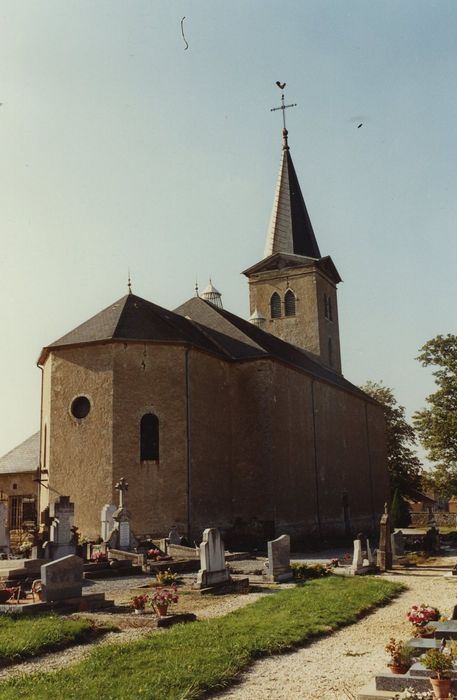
{"x":420,"y":616}
{"x":401,"y":655}
{"x":99,"y":557}
{"x":441,"y":663}
{"x":162,"y":599}
{"x":153,"y":553}
{"x":138,"y":603}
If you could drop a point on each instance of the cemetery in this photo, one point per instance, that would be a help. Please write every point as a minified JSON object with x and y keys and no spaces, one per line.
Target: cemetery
{"x":228,"y":607}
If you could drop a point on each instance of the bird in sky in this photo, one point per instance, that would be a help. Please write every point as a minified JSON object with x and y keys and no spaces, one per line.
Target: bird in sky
{"x":359,"y":126}
{"x":281,"y":86}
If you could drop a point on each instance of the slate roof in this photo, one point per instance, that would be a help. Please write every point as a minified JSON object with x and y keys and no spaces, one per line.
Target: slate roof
{"x":134,"y":318}
{"x":23,"y":458}
{"x":197,"y":323}
{"x":290,"y":229}
{"x":243,"y":340}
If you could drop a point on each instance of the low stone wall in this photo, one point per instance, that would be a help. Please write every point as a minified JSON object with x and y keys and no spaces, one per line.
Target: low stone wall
{"x":441,"y":519}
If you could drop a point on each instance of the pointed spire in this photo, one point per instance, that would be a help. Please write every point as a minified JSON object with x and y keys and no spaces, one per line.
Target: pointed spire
{"x":290,"y":229}
{"x":129,"y":282}
{"x":211,"y":294}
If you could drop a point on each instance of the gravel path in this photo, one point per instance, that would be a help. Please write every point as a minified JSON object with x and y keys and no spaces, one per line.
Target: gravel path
{"x":347,"y":659}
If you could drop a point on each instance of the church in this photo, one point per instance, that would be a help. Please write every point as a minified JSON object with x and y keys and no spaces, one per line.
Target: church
{"x":213,"y":420}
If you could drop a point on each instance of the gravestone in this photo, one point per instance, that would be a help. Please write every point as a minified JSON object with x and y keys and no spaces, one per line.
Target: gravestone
{"x":173,"y":536}
{"x":62,"y":579}
{"x":398,"y":543}
{"x":370,"y":560}
{"x":279,"y":560}
{"x":107,"y":521}
{"x":4,"y":532}
{"x":61,"y":536}
{"x":213,"y":570}
{"x":357,"y":559}
{"x":384,"y":554}
{"x":121,"y":536}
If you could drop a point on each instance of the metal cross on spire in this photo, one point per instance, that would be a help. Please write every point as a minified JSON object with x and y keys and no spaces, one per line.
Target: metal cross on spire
{"x":283,"y":106}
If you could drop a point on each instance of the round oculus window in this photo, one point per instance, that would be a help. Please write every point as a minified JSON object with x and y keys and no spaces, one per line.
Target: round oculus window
{"x":80,"y":407}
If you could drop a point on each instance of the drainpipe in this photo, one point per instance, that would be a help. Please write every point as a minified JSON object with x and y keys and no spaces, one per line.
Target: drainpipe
{"x":189,"y":519}
{"x":316,"y":464}
{"x":41,"y":439}
{"x":370,"y":475}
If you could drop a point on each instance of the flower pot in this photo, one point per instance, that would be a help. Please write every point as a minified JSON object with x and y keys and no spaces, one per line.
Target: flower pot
{"x":398,"y":668}
{"x":441,"y":687}
{"x":162,"y":610}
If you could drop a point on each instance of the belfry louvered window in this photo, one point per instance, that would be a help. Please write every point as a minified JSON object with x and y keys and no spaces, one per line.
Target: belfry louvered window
{"x":275,"y":305}
{"x":149,"y":437}
{"x":289,"y":303}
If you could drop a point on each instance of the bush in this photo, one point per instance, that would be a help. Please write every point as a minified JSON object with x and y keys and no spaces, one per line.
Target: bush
{"x":303,"y":572}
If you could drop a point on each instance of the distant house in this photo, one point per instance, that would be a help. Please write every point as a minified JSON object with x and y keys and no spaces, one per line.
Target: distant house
{"x":18,"y":469}
{"x":421,"y":503}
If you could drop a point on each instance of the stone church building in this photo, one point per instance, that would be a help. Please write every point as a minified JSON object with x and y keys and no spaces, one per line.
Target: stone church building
{"x":249,"y":426}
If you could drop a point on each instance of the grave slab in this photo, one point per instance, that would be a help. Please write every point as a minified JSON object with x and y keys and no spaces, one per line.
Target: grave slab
{"x":279,"y":560}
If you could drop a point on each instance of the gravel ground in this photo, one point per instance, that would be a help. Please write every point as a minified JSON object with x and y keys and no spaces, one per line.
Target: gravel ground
{"x":335,"y":666}
{"x":332,"y":668}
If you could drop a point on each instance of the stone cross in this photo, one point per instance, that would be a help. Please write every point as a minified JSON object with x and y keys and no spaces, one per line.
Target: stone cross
{"x":121,"y":486}
{"x":384,"y":555}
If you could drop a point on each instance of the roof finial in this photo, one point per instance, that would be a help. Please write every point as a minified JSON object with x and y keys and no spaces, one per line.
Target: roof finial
{"x":129,"y":282}
{"x":283,"y":108}
{"x":196,"y":288}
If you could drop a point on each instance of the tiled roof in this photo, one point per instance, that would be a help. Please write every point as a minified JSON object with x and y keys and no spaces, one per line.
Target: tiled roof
{"x":23,"y":458}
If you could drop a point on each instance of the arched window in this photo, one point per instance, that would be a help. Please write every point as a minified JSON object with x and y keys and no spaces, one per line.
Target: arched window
{"x":329,"y":307}
{"x":289,"y":303}
{"x":275,"y":305}
{"x":330,"y":352}
{"x":325,"y":306}
{"x":149,"y":437}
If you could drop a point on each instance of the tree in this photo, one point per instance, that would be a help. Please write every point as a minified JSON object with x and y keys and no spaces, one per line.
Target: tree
{"x":405,"y":469}
{"x":437,"y":424}
{"x":399,"y":511}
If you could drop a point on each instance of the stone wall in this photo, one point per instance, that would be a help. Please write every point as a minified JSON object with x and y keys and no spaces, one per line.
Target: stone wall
{"x":252,"y":445}
{"x":440,"y":518}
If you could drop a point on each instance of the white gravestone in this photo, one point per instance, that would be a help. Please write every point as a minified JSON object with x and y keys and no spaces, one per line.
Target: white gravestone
{"x":279,"y":559}
{"x":62,"y":579}
{"x":62,"y":513}
{"x":357,"y":560}
{"x":213,"y":570}
{"x":4,"y":532}
{"x":107,"y":521}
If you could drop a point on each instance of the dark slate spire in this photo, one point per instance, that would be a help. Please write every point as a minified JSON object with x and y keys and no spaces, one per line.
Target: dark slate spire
{"x":290,"y":230}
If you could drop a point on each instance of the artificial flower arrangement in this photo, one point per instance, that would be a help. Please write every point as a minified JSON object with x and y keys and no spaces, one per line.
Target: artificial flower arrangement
{"x":98,"y":557}
{"x":167,"y":578}
{"x":412,"y":694}
{"x":420,"y":616}
{"x":138,"y":602}
{"x":163,"y":598}
{"x":401,"y":655}
{"x":153,"y":553}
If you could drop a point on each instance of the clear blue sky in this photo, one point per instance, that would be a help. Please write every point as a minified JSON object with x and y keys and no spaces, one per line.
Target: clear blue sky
{"x":121,"y":149}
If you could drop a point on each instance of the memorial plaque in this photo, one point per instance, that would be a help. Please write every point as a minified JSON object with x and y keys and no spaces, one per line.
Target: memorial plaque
{"x":62,"y":578}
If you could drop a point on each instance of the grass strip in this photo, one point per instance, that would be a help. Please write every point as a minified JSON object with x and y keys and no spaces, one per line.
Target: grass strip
{"x":23,"y":637}
{"x":189,"y":659}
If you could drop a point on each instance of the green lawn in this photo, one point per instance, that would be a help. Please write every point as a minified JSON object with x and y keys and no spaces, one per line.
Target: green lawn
{"x":184,"y":661}
{"x":22,"y":637}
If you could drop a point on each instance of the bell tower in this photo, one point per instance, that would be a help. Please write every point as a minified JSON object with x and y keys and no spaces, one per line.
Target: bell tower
{"x":293,"y":289}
